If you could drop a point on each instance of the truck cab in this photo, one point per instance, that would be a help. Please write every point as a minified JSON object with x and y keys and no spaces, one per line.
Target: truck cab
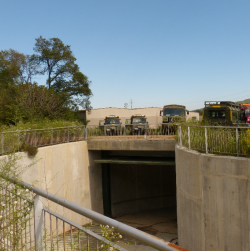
{"x":222,"y":113}
{"x":137,"y":124}
{"x":111,"y":125}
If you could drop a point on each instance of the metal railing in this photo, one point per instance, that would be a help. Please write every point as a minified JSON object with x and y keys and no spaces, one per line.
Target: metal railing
{"x":127,"y":132}
{"x":47,"y":230}
{"x":17,"y":140}
{"x":216,"y":139}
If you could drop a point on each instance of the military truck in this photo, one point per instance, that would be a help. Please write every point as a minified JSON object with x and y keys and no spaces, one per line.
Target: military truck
{"x":137,"y":124}
{"x":222,"y":113}
{"x":172,"y":115}
{"x":245,"y":108}
{"x":111,"y":125}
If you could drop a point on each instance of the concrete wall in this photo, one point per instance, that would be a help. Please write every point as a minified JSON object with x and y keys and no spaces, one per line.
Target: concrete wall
{"x":62,"y":170}
{"x":136,"y":188}
{"x":213,"y":204}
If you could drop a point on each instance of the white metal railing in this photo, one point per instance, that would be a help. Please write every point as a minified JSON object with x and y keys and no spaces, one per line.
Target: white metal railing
{"x":216,"y":139}
{"x":42,"y":234}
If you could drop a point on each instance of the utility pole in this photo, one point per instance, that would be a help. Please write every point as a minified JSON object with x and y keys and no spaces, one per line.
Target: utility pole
{"x":131,"y":103}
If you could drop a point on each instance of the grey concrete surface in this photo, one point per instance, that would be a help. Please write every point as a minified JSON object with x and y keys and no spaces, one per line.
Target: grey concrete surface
{"x":212,"y":201}
{"x":133,"y":145}
{"x":161,"y":223}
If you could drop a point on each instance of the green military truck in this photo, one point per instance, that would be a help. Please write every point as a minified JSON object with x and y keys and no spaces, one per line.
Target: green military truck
{"x":137,"y":124}
{"x":172,"y":115}
{"x":222,"y":113}
{"x":111,"y":125}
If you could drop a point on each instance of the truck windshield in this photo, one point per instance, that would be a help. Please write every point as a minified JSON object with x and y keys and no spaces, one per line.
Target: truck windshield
{"x":247,"y":112}
{"x":217,"y":114}
{"x":139,"y":120}
{"x":112,"y":121}
{"x":174,"y":112}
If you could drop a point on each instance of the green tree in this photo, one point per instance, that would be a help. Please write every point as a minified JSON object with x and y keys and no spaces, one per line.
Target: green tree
{"x":16,"y":68}
{"x":31,"y":102}
{"x":64,"y":76}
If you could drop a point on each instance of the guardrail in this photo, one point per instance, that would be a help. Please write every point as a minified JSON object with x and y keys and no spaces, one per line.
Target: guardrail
{"x":42,"y":235}
{"x":17,"y":140}
{"x":128,"y":131}
{"x":216,"y":139}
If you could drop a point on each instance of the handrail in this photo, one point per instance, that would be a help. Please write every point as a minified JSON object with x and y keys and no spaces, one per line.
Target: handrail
{"x":122,"y":228}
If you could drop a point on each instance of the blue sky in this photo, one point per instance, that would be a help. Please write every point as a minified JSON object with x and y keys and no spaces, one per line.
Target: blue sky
{"x":155,"y":52}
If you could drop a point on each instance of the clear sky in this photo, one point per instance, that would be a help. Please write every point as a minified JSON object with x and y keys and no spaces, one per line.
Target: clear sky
{"x":153,"y":52}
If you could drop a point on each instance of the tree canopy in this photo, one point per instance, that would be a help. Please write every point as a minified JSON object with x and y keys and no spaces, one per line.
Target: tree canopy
{"x":64,"y":76}
{"x":65,"y":90}
{"x":16,"y":68}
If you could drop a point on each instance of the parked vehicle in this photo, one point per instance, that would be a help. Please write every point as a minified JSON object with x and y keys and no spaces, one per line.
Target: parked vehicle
{"x":245,"y":112}
{"x":137,"y":124}
{"x":222,"y":113}
{"x":111,"y":125}
{"x":172,"y":115}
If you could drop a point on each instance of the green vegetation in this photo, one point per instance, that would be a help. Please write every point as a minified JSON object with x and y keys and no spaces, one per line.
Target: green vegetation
{"x":23,"y":101}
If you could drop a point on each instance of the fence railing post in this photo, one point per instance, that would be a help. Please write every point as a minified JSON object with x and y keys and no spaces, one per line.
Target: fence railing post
{"x":86,"y":132}
{"x":35,"y":137}
{"x":51,"y":137}
{"x":180,"y":136}
{"x":38,"y":209}
{"x":2,"y":142}
{"x":206,"y":140}
{"x":237,"y":141}
{"x":189,"y":144}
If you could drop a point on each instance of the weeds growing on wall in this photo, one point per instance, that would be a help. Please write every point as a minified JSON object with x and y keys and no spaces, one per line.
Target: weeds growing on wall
{"x":16,"y":204}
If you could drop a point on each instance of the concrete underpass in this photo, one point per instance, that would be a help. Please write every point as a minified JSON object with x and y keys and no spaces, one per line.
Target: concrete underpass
{"x":138,"y":186}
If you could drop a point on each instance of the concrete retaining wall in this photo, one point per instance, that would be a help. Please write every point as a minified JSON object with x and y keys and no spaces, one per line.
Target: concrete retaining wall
{"x":62,"y":170}
{"x":213,"y":204}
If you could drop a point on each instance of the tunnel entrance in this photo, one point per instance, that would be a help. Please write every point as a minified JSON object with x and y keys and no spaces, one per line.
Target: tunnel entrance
{"x":139,"y":189}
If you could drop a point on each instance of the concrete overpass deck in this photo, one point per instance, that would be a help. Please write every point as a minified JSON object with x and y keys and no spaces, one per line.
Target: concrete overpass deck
{"x":165,"y":143}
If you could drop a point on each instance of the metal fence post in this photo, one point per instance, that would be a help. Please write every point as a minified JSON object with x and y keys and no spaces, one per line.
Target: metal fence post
{"x":237,"y":141}
{"x":206,"y":140}
{"x":38,"y":210}
{"x":2,"y":142}
{"x":35,"y":137}
{"x":189,"y":144}
{"x":51,"y":137}
{"x":180,"y":136}
{"x":86,"y":132}
{"x":18,"y":143}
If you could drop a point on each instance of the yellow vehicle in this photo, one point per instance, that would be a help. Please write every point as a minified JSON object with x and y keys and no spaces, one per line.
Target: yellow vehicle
{"x":222,"y":113}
